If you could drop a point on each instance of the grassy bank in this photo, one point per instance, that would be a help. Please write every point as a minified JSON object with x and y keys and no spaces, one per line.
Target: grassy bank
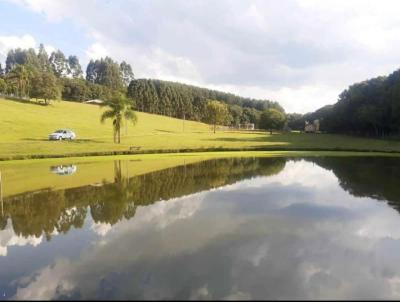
{"x":25,"y":127}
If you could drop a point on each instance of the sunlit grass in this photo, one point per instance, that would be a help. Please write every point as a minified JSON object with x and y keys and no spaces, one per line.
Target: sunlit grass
{"x":24,"y":129}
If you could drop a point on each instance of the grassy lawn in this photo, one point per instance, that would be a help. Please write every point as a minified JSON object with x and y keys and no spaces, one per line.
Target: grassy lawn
{"x":24,"y":129}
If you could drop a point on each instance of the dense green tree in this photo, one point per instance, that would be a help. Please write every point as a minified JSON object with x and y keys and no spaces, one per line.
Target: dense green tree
{"x":217,"y":113}
{"x":45,"y":86}
{"x":3,"y":86}
{"x":75,"y":90}
{"x":19,"y":77}
{"x":105,"y":72}
{"x":251,"y":115}
{"x":178,"y":100}
{"x":272,"y":119}
{"x":236,"y":113}
{"x":2,"y":71}
{"x":26,"y":57}
{"x":370,"y":108}
{"x":119,"y":111}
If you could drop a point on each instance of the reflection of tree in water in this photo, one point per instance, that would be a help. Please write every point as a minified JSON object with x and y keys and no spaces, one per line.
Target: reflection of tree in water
{"x":376,"y":177}
{"x":114,"y":199}
{"x":48,"y":211}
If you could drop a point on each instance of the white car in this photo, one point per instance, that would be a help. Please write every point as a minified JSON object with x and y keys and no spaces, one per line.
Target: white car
{"x":62,"y":134}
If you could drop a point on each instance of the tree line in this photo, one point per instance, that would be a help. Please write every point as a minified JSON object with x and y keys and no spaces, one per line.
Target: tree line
{"x":45,"y":211}
{"x":36,"y":74}
{"x":190,"y":102}
{"x":368,"y":108}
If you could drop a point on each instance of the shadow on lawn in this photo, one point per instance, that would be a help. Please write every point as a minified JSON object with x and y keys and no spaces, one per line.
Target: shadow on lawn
{"x":74,"y":141}
{"x":26,"y":101}
{"x":168,"y":131}
{"x":275,"y":138}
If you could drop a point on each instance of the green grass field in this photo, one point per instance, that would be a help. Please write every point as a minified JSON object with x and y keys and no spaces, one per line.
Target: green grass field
{"x":24,"y":129}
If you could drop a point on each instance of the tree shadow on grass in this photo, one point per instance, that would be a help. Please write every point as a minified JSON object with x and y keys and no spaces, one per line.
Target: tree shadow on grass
{"x":273,"y":140}
{"x":74,"y":141}
{"x":160,"y":130}
{"x":234,"y":139}
{"x":26,"y":101}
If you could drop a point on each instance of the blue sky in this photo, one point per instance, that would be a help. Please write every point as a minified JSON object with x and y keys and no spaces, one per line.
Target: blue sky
{"x":65,"y":35}
{"x":301,"y":53}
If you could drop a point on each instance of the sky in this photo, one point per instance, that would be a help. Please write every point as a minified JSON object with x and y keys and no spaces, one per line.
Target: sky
{"x":301,"y":53}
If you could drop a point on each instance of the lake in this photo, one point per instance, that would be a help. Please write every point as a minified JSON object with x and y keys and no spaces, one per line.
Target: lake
{"x":186,"y":228}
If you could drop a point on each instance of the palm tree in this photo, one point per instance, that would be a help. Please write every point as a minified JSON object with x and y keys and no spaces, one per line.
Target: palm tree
{"x":119,"y":110}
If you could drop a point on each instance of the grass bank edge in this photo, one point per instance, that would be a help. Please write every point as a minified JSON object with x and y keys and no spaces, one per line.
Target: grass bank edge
{"x":201,"y":154}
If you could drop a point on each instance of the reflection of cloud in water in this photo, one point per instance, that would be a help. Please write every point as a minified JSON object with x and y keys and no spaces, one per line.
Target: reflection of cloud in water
{"x":101,"y":229}
{"x":293,"y":235}
{"x":47,"y":283}
{"x":8,"y":238}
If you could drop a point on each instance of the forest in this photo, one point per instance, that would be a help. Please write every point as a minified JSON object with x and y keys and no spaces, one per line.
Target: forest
{"x":36,"y":74}
{"x":368,"y":108}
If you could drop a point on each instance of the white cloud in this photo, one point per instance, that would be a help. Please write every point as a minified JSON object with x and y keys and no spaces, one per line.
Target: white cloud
{"x":48,"y":282}
{"x":234,"y":242}
{"x":8,"y":238}
{"x":101,"y":229}
{"x":96,"y":51}
{"x":10,"y":42}
{"x":300,"y":53}
{"x":25,"y":41}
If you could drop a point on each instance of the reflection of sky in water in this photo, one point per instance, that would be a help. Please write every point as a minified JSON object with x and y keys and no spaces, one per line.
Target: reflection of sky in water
{"x":297,"y":234}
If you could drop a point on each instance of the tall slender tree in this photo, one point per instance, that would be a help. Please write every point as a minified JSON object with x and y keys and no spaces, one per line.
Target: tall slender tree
{"x":74,"y":67}
{"x":43,"y":59}
{"x":126,"y":73}
{"x":59,"y":63}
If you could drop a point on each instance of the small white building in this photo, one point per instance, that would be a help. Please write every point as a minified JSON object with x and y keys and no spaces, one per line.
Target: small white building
{"x":96,"y":102}
{"x":311,"y":127}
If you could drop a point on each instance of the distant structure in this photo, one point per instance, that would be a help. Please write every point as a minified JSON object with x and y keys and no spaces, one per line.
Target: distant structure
{"x":96,"y":102}
{"x":247,"y":126}
{"x":311,"y":127}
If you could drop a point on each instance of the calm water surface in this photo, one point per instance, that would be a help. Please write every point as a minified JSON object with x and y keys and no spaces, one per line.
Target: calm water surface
{"x":244,"y":228}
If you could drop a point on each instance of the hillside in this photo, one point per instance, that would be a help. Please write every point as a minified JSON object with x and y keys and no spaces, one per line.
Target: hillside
{"x":25,"y":127}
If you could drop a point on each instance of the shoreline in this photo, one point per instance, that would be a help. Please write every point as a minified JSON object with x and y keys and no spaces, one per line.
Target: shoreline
{"x":202,"y":152}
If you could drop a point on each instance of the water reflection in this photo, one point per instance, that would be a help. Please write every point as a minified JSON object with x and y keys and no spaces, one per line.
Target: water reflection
{"x":48,"y":211}
{"x":367,"y":177}
{"x":234,"y":228}
{"x":63,"y":169}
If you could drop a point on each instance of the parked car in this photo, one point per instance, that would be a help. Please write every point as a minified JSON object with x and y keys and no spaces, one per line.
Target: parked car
{"x":62,"y":134}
